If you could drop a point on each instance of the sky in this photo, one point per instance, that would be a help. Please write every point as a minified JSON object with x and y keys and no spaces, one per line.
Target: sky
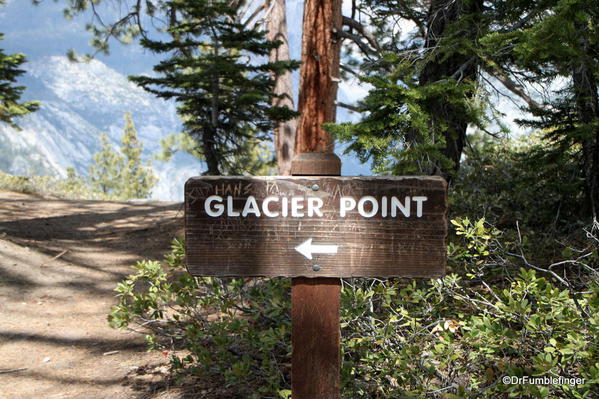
{"x":40,"y":31}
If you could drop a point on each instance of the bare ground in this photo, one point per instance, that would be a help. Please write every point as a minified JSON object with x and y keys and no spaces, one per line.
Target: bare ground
{"x":59,"y":263}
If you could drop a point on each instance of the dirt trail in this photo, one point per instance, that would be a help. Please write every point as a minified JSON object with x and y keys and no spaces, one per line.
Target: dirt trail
{"x":59,"y":263}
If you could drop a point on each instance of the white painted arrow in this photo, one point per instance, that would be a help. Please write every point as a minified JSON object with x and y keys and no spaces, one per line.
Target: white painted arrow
{"x":307,"y":248}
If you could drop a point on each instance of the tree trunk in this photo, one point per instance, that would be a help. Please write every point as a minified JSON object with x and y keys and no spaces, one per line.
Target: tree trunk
{"x":210,"y":133}
{"x":284,"y":131}
{"x":209,"y":151}
{"x":442,"y":14}
{"x":587,"y":108}
{"x":319,"y":75}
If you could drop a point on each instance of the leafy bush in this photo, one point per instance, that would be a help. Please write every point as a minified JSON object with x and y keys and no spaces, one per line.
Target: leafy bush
{"x":236,"y":331}
{"x":459,"y":336}
{"x":455,"y":337}
{"x":437,"y":338}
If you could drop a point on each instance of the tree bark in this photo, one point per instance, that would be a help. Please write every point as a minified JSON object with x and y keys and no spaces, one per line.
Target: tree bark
{"x":587,"y":108}
{"x":210,"y":133}
{"x":319,"y":74}
{"x":442,"y":14}
{"x":276,"y":24}
{"x":210,"y":156}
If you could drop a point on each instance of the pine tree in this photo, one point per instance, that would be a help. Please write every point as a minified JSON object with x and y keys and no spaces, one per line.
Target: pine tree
{"x":424,"y":88}
{"x":104,"y":174}
{"x":122,"y":174}
{"x":151,"y":18}
{"x":136,"y":178}
{"x":544,"y":42}
{"x":11,"y":106}
{"x":224,"y":94}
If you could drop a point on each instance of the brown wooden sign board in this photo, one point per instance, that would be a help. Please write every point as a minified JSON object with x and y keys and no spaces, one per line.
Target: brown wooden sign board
{"x":316,"y":226}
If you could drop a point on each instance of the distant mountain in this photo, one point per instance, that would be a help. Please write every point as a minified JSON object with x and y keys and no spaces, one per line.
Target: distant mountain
{"x":79,"y":102}
{"x":82,"y":100}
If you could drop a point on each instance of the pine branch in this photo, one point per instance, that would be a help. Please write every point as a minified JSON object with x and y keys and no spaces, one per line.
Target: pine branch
{"x":352,"y":23}
{"x":112,"y":30}
{"x":513,"y":87}
{"x":522,"y":22}
{"x":366,"y":49}
{"x":459,"y":74}
{"x":250,"y":22}
{"x":349,"y":106}
{"x":349,"y":70}
{"x":243,"y":8}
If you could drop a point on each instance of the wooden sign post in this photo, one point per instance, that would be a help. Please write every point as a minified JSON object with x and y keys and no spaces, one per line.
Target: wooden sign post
{"x":316,"y":229}
{"x":319,"y":77}
{"x":315,"y":306}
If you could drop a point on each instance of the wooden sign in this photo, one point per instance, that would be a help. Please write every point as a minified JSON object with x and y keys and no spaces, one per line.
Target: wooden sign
{"x":316,"y":226}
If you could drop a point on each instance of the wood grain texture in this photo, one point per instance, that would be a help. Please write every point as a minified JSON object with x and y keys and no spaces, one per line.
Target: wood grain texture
{"x":367,"y":247}
{"x":316,"y":164}
{"x":315,"y":308}
{"x":316,"y":333}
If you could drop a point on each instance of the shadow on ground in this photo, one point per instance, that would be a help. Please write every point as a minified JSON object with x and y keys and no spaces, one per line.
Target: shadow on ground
{"x":59,"y":263}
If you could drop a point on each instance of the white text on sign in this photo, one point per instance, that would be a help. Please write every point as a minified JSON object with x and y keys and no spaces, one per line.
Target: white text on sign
{"x":298,"y":207}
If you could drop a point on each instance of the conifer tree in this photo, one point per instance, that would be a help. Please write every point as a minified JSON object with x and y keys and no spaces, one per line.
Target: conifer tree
{"x":137,"y":178}
{"x":104,"y":173}
{"x":143,"y":19}
{"x":224,"y":93}
{"x":544,"y":42}
{"x":423,"y":95}
{"x":11,"y":106}
{"x":122,"y":174}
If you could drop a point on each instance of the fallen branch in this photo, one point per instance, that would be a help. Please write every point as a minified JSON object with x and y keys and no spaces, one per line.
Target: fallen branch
{"x":12,"y":370}
{"x":54,"y":258}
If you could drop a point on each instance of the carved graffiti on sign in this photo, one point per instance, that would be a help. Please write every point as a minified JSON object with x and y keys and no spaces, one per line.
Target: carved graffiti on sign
{"x":316,"y":226}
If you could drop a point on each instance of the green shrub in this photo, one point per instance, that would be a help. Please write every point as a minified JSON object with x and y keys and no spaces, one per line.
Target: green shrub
{"x":73,"y":187}
{"x":437,"y":338}
{"x":455,"y":337}
{"x":235,"y":331}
